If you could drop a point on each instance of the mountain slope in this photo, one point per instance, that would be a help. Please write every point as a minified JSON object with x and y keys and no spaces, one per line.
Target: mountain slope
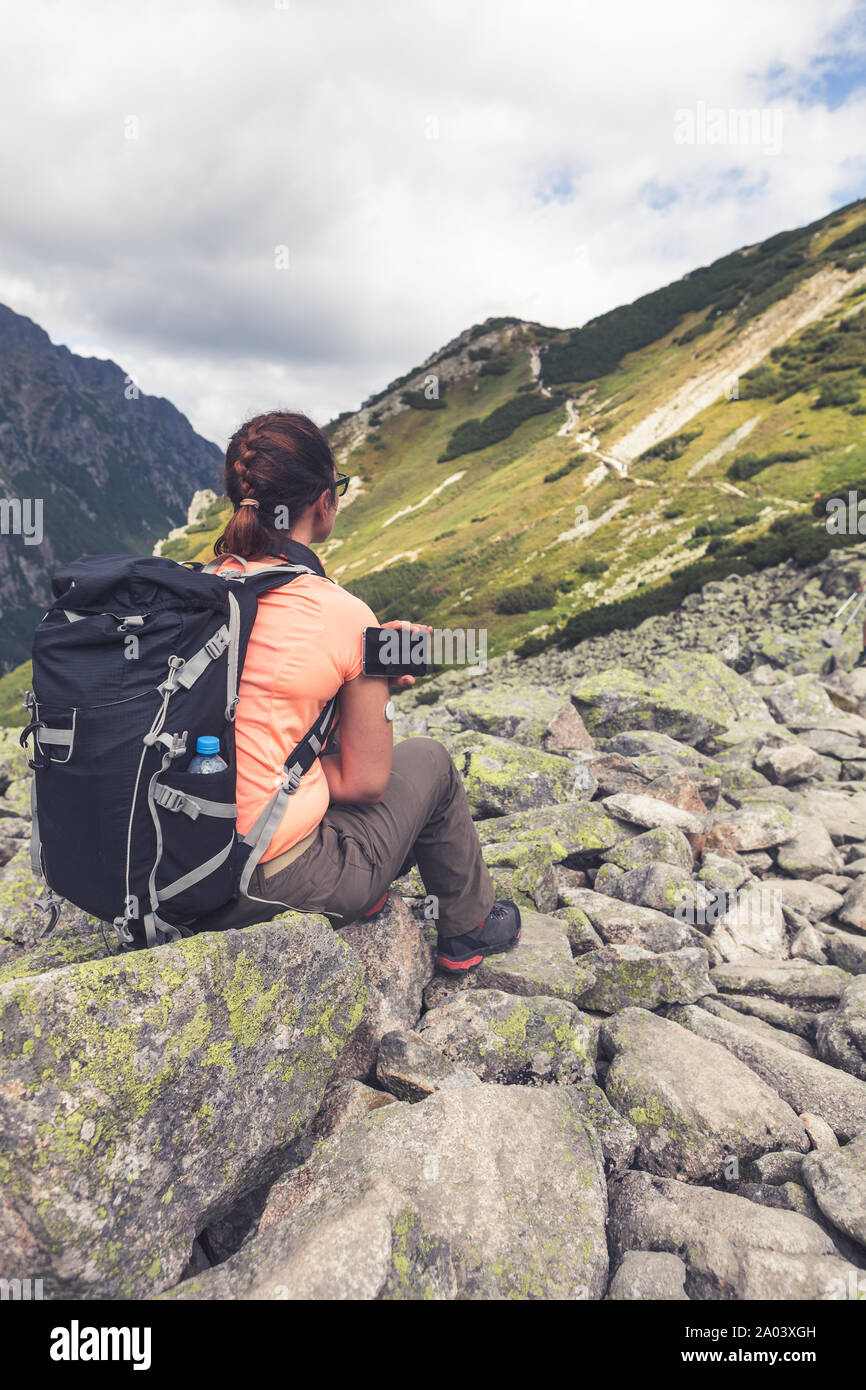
{"x":113,"y":469}
{"x":530,"y":492}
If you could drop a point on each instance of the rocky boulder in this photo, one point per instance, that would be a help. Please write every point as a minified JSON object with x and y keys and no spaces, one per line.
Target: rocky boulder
{"x":511,"y":1177}
{"x":512,"y":1039}
{"x":732,"y":1248}
{"x":693,"y":1107}
{"x":127,"y":1087}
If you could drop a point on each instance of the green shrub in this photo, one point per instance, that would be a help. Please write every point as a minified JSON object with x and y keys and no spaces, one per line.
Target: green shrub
{"x":697,"y":331}
{"x":418,"y":401}
{"x":400,"y":591}
{"x":566,"y":468}
{"x":837,"y":393}
{"x":524,"y":598}
{"x":853,"y":238}
{"x":675,"y":509}
{"x":819,"y":504}
{"x":670,"y":448}
{"x":498,"y":367}
{"x":747,"y":465}
{"x":717,"y":543}
{"x":531,"y":646}
{"x":716,"y":526}
{"x":491,"y":325}
{"x":590,"y":566}
{"x":475,"y":434}
{"x":761,"y":381}
{"x":480,"y":354}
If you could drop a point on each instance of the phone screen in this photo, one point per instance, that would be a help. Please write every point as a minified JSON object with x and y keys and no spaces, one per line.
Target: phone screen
{"x":392,"y":651}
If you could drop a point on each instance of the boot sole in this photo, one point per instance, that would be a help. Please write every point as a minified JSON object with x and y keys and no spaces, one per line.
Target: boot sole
{"x":450,"y":964}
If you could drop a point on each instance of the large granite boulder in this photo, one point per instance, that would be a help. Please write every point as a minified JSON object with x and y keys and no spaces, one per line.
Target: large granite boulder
{"x":146,"y":1093}
{"x":693,"y":1107}
{"x":511,"y":1177}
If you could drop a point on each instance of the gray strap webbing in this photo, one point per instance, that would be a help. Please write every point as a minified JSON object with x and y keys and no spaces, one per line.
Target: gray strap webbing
{"x":64,"y":736}
{"x":193,"y":806}
{"x":213,"y":647}
{"x":232,"y":658}
{"x":196,"y":875}
{"x":265,"y":827}
{"x":35,"y":842}
{"x":262,"y":833}
{"x":154,"y":923}
{"x":59,"y":738}
{"x":215,"y":564}
{"x":151,"y":806}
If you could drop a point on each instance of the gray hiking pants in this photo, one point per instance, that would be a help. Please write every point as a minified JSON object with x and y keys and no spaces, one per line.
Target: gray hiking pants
{"x":360,"y":850}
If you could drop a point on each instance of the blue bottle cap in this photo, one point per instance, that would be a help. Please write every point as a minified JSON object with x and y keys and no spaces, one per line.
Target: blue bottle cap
{"x":206,"y":743}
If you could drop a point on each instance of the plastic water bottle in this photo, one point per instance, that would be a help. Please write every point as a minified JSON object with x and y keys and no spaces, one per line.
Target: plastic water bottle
{"x":207,"y":755}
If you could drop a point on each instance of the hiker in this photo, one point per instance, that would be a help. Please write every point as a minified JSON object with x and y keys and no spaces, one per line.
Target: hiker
{"x":363,"y":814}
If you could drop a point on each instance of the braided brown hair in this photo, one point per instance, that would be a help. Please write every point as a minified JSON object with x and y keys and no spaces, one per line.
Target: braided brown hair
{"x":283,"y":462}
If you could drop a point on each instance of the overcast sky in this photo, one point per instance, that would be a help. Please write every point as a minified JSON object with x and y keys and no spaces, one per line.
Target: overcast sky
{"x":423,"y":166}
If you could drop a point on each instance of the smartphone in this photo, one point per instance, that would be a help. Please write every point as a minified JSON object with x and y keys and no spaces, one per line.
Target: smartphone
{"x":394,"y":651}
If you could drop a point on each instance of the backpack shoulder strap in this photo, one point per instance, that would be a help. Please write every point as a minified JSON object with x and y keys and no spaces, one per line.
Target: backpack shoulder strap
{"x":247,"y":588}
{"x":268,"y":578}
{"x":299,"y":761}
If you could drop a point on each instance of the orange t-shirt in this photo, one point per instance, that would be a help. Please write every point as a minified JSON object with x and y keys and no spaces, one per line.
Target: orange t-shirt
{"x":305,"y":644}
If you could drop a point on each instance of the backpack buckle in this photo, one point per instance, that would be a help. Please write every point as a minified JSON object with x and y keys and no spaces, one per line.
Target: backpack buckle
{"x":216,"y":645}
{"x":168,"y":798}
{"x":292,"y":778}
{"x":124,"y":935}
{"x":171,"y":800}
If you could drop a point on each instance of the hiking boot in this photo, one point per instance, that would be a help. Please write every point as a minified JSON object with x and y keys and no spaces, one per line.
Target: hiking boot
{"x":499,"y":931}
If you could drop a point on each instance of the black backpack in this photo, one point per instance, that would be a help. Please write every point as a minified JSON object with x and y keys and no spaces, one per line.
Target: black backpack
{"x":135,"y":658}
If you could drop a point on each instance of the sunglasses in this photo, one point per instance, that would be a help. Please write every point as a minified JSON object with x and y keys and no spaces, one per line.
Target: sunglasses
{"x":340,"y":483}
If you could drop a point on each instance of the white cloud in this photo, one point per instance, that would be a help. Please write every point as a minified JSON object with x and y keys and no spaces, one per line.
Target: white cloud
{"x":554,"y":188}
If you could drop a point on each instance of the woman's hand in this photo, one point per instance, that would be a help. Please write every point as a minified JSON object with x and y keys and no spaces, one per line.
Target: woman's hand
{"x":403,"y":682}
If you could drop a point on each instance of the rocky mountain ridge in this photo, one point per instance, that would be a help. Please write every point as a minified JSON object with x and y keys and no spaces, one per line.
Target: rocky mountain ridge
{"x":111,"y":468}
{"x":525,"y":477}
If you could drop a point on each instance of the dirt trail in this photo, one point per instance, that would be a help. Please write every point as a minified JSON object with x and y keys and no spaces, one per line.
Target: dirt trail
{"x":809,"y":301}
{"x":571,"y":418}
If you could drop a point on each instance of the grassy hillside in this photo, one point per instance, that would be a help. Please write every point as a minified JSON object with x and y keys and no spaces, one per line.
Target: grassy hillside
{"x":543,"y":503}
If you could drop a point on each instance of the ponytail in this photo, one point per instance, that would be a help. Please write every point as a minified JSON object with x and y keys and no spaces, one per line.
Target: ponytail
{"x":276,"y":465}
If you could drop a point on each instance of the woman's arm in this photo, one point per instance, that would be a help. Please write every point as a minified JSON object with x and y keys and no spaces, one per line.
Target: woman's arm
{"x":359,"y":773}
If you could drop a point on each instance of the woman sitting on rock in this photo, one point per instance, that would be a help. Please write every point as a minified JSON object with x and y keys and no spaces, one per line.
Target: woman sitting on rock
{"x":361,"y":816}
